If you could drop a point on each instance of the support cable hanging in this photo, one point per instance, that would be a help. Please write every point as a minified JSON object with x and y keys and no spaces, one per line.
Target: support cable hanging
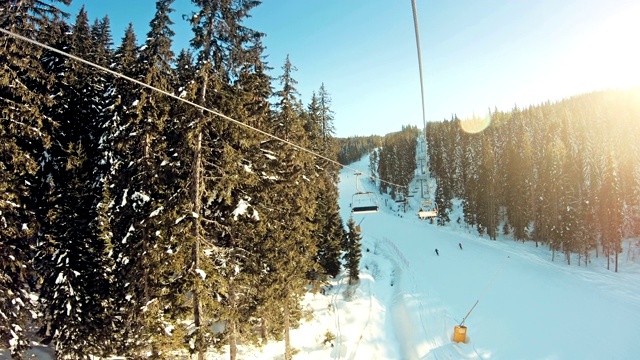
{"x":485,"y":290}
{"x":423,"y":214}
{"x":171,"y":95}
{"x":415,"y":25}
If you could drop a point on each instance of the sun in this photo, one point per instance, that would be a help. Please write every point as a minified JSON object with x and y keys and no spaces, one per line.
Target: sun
{"x":609,"y":55}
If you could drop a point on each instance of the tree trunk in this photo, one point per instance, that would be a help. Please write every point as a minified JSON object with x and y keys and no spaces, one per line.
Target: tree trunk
{"x":233,"y":340}
{"x":145,"y":266}
{"x":586,"y":258}
{"x":287,"y":341}
{"x":195,"y":255}
{"x":147,"y":147}
{"x":197,"y":190}
{"x":233,"y":326}
{"x":263,"y":331}
{"x":616,"y":260}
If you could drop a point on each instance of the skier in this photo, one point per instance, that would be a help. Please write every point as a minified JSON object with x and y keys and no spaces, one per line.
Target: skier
{"x":437,"y":253}
{"x":460,"y":245}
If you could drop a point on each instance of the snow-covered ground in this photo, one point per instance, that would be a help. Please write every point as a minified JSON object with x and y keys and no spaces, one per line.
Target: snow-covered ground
{"x":409,"y":299}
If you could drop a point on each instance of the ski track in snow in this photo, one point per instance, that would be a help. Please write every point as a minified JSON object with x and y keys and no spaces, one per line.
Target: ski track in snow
{"x":339,"y":348}
{"x":409,"y":316}
{"x":399,"y":314}
{"x":370,"y":294}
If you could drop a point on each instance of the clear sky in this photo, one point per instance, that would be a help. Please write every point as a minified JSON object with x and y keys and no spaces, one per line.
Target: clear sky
{"x":477,"y":54}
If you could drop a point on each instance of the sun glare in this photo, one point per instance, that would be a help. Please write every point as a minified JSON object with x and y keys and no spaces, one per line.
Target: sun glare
{"x":475,"y":124}
{"x":609,"y":55}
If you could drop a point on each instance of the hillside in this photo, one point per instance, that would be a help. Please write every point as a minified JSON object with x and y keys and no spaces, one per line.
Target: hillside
{"x":409,"y":299}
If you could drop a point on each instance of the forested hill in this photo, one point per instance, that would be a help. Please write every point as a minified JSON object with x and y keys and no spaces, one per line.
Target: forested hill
{"x":392,"y":157}
{"x":354,"y":148}
{"x":566,"y":174}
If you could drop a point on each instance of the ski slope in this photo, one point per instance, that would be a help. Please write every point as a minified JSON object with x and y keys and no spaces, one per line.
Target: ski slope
{"x":409,"y":299}
{"x":528,"y":306}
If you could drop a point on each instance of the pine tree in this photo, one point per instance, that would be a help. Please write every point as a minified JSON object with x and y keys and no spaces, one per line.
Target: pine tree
{"x":327,"y":129}
{"x":249,"y":90}
{"x":329,"y":231}
{"x":488,"y":207}
{"x":219,"y":270}
{"x":141,"y":188}
{"x":470,"y":176}
{"x":291,"y":247}
{"x":518,"y":176}
{"x":102,"y":41}
{"x":331,"y":234}
{"x":75,"y":261}
{"x":550,"y":225}
{"x":611,"y":204}
{"x":201,"y":147}
{"x":352,"y":252}
{"x":25,"y":139}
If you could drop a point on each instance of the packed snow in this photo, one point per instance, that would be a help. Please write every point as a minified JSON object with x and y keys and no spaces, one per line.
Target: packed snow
{"x":409,"y":299}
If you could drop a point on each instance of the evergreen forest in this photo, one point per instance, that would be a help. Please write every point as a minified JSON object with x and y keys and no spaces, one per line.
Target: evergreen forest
{"x":138,"y":225}
{"x":353,"y":148}
{"x":563,"y":174}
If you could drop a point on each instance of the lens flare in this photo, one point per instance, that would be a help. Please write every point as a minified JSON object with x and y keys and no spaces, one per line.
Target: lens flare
{"x":475,"y":124}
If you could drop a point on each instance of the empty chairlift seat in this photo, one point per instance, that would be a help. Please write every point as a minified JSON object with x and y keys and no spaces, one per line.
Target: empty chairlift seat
{"x":426,"y":214}
{"x":364,"y":203}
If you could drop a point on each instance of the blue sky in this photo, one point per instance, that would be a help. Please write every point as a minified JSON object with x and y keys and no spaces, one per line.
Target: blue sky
{"x":477,"y":54}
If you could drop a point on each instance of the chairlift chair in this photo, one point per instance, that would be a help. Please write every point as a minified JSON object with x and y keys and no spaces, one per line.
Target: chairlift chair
{"x":430,"y":212}
{"x":427,"y":214}
{"x":364,"y":202}
{"x":431,"y":209}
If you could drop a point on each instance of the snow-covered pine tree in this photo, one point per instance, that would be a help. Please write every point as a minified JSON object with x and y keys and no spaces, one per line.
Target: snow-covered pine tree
{"x":215,"y":161}
{"x":352,"y":251}
{"x":488,"y":199}
{"x":24,"y":140}
{"x":552,"y":178}
{"x":142,"y":181}
{"x":611,"y":208}
{"x":288,"y":248}
{"x":238,"y":204}
{"x":197,"y":149}
{"x":518,"y":172}
{"x":329,"y":230}
{"x":75,"y":261}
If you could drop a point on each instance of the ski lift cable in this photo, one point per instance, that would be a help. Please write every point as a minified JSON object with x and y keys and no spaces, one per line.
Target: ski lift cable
{"x":414,"y":8}
{"x":225,"y":117}
{"x":415,"y":25}
{"x":485,"y":289}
